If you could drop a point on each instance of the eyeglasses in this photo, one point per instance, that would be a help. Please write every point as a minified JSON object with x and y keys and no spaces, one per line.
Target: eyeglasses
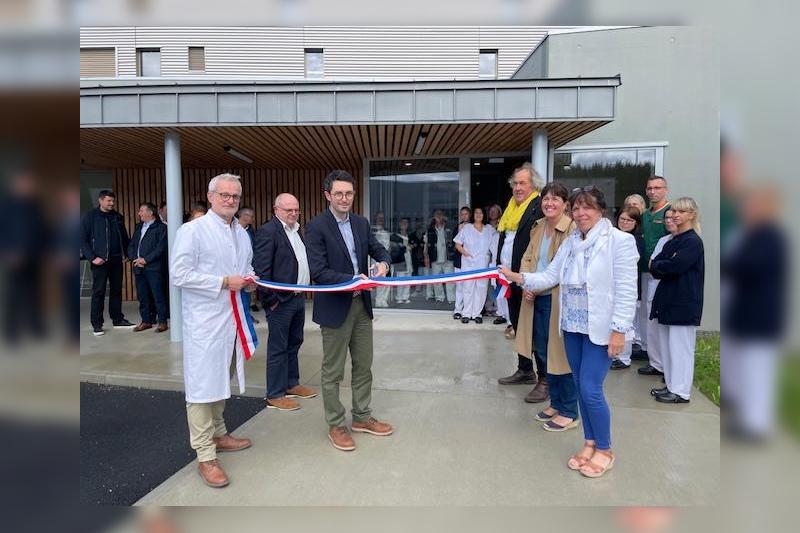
{"x":588,"y":188}
{"x":228,"y":197}
{"x":339,"y":195}
{"x":288,"y":210}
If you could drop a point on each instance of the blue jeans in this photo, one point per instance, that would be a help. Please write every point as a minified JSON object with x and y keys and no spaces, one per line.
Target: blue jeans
{"x":590,"y":364}
{"x":285,"y":338}
{"x":563,"y":396}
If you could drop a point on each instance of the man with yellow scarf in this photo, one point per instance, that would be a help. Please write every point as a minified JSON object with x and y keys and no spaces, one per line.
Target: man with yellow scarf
{"x":524,"y":208}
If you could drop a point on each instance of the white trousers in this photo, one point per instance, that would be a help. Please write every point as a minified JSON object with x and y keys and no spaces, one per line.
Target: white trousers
{"x":502,"y":308}
{"x":474,"y":297}
{"x":382,"y":296}
{"x":749,"y":382}
{"x":677,"y":345}
{"x":401,"y":294}
{"x":459,"y":295}
{"x":643,"y":313}
{"x":625,"y":354}
{"x":443,"y":267}
{"x":654,"y":351}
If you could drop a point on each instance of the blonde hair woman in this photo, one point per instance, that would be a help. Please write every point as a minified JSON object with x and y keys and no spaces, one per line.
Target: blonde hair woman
{"x":636,"y":201}
{"x":678,"y":301}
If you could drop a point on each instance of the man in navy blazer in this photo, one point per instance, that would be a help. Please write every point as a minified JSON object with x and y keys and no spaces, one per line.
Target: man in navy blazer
{"x":147,"y":251}
{"x":338,"y":244}
{"x":279,"y":254}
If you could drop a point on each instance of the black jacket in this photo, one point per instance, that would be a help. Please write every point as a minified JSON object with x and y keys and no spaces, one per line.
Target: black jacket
{"x":680,"y":269}
{"x":95,"y":231}
{"x":153,"y":248}
{"x":274,"y":260}
{"x":433,"y":239}
{"x":329,"y":262}
{"x":523,"y":236}
{"x":757,"y":271}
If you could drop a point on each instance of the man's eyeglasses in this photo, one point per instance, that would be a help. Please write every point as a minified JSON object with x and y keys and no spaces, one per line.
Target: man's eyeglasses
{"x":339,"y":195}
{"x":228,"y":197}
{"x":288,"y":210}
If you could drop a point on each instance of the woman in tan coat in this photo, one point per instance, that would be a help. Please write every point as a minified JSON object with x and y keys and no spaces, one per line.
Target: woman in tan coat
{"x":538,"y":328}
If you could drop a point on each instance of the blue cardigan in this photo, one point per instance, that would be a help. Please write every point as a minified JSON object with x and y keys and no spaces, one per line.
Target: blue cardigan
{"x":680,"y":269}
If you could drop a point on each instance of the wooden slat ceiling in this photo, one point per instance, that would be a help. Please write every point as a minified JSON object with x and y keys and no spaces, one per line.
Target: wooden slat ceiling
{"x":312,"y":146}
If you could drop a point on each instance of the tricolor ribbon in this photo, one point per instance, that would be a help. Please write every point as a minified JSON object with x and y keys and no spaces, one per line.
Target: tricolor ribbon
{"x":245,"y":331}
{"x":358,"y":284}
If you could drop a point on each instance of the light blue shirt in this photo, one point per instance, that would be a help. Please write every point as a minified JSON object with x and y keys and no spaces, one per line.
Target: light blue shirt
{"x":544,"y":247}
{"x":347,"y":234}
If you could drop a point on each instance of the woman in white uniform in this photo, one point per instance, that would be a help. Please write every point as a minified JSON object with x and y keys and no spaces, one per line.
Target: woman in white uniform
{"x":401,"y":260}
{"x":476,"y":243}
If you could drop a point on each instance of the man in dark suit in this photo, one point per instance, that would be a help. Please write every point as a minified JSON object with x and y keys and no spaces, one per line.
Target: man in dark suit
{"x":338,"y":244}
{"x":514,"y":239}
{"x":148,"y":251}
{"x":279,"y":254}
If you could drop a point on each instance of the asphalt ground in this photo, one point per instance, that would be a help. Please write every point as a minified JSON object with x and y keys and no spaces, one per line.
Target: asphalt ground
{"x":132,"y":440}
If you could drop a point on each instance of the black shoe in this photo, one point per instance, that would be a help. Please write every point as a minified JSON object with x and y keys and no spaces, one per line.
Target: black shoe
{"x":639,"y":355}
{"x":649,"y":371}
{"x":479,"y":320}
{"x":657,"y":391}
{"x":456,"y":316}
{"x":669,"y":397}
{"x":97,"y":331}
{"x":465,"y":320}
{"x":254,"y":308}
{"x":616,"y":364}
{"x":499,"y":320}
{"x":124,"y":323}
{"x":519,"y":378}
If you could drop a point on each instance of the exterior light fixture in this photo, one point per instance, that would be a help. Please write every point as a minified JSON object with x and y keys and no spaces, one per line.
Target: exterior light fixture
{"x":237,"y":154}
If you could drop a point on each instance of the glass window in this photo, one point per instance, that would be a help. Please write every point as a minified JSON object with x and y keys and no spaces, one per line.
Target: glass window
{"x":149,"y":63}
{"x":404,"y":198}
{"x":618,"y":173}
{"x":315,"y":63}
{"x":488,"y":64}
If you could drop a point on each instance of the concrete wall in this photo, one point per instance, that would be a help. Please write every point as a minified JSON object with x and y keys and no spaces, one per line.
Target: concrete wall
{"x":669,"y":92}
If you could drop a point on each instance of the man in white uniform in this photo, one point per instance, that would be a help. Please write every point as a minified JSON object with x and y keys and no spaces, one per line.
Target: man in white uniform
{"x":210,"y":258}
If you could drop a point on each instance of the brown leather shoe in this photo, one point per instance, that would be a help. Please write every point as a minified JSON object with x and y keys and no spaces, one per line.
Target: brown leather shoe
{"x":143,"y":326}
{"x":162,"y":327}
{"x":341,"y":439}
{"x":282,"y":404}
{"x":299,"y":391}
{"x":373,"y":426}
{"x":540,"y":393}
{"x":212,"y":473}
{"x":519,"y":377}
{"x":229,"y":443}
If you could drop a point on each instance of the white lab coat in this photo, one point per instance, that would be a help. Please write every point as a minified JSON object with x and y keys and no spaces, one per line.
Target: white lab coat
{"x":481,"y":245}
{"x":204,"y":252}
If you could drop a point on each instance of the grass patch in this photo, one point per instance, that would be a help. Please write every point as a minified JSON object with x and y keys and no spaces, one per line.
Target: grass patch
{"x":706,"y":366}
{"x":789,"y":400}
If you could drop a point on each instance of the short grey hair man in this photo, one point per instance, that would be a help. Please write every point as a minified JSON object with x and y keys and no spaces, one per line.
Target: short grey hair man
{"x":212,"y":185}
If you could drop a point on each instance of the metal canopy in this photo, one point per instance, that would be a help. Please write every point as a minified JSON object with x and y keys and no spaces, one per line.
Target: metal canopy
{"x":166,"y":103}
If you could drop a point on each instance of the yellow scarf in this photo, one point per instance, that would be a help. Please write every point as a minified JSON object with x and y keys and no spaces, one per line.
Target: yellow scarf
{"x":513,"y":213}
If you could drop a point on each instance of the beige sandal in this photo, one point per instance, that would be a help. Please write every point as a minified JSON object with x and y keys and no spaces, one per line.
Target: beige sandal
{"x":592,"y":469}
{"x":578,"y":460}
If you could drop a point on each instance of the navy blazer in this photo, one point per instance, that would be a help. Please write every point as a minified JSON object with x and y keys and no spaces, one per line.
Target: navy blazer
{"x":329,"y":262}
{"x":153,"y":248}
{"x":757,"y":270}
{"x":680,"y":269}
{"x":274,"y":260}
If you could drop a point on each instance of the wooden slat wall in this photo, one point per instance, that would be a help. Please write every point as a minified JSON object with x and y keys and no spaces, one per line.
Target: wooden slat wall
{"x":259,"y":186}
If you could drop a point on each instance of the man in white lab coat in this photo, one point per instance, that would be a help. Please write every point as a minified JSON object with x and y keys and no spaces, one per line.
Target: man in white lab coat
{"x":210,"y":258}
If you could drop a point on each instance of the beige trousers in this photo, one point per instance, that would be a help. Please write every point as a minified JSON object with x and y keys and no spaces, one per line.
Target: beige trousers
{"x":205,"y":423}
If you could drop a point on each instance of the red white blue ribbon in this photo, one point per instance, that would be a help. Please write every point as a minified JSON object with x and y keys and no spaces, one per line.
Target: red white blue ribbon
{"x":245,"y":331}
{"x":358,"y":284}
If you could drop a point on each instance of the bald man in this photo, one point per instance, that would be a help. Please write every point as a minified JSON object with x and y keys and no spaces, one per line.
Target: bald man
{"x":279,"y":254}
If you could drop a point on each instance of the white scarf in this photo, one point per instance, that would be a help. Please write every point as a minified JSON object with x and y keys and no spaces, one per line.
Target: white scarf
{"x":575,"y":271}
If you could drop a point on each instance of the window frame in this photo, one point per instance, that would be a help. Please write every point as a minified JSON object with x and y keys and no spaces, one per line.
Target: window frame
{"x":139,"y":51}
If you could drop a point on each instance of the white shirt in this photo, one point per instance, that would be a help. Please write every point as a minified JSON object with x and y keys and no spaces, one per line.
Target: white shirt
{"x":303,"y":272}
{"x":145,"y":225}
{"x":508,"y":248}
{"x":479,"y":244}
